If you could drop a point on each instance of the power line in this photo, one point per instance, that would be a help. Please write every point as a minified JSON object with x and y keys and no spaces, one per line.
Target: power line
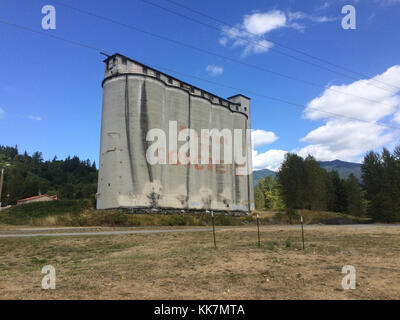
{"x":257,"y":43}
{"x":52,"y":36}
{"x":262,"y":69}
{"x":272,"y":41}
{"x":82,"y":45}
{"x":337,"y":115}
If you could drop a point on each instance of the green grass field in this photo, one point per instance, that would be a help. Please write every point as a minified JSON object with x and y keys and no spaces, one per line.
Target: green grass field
{"x":82,"y":213}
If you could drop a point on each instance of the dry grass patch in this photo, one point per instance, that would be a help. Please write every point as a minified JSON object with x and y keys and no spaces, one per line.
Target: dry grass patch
{"x":185,"y":265}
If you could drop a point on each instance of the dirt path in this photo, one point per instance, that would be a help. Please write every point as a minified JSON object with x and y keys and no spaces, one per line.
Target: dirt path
{"x":88,"y":231}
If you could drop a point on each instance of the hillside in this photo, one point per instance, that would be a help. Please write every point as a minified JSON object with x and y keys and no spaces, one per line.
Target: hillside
{"x":28,"y":175}
{"x":258,"y":174}
{"x":342,"y":167}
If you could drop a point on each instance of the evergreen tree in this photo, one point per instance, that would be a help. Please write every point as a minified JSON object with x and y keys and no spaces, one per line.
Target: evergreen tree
{"x":314,"y":187}
{"x":27,"y":175}
{"x":291,"y":181}
{"x":339,"y":193}
{"x":305,"y":185}
{"x":381,"y":176}
{"x":355,"y":204}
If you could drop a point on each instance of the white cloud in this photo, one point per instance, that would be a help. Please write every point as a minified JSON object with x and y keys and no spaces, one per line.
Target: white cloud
{"x":1,"y":113}
{"x":385,"y":3}
{"x":271,"y":159}
{"x":347,"y":139}
{"x":350,"y":103}
{"x":261,"y":23}
{"x":344,"y":140}
{"x":214,"y":70}
{"x":396,"y":117}
{"x":249,"y":34}
{"x":223,"y":41}
{"x":262,"y":138}
{"x":324,"y":6}
{"x":298,"y":15}
{"x":35,"y":118}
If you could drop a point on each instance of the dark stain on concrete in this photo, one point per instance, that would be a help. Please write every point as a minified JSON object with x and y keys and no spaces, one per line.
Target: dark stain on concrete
{"x":144,"y":125}
{"x":128,"y":131}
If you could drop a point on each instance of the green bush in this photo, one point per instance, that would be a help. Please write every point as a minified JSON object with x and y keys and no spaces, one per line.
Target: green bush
{"x":270,"y":245}
{"x":225,"y":220}
{"x":174,"y":220}
{"x":23,"y":214}
{"x":82,"y":213}
{"x":111,"y":218}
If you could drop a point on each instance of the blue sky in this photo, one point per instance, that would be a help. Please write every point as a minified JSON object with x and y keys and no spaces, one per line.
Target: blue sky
{"x":50,"y":91}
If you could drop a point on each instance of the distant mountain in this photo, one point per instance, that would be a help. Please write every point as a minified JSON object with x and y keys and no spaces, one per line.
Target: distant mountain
{"x":342,"y":167}
{"x":258,"y":174}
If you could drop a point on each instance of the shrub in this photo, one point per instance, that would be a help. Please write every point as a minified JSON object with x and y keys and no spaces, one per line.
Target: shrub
{"x":174,"y":220}
{"x":224,"y":220}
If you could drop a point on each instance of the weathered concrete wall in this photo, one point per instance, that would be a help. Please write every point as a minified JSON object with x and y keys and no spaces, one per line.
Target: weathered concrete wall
{"x":136,"y":99}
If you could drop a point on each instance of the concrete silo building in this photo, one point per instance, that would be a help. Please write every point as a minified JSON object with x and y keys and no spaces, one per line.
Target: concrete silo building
{"x":137,"y":99}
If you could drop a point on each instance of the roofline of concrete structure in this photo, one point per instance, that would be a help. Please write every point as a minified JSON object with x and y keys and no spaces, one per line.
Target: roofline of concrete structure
{"x":239,"y":95}
{"x":172,"y":77}
{"x":180,"y":88}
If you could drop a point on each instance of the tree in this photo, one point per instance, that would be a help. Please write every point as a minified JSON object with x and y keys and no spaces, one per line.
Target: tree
{"x":31,"y":185}
{"x":339,"y":203}
{"x":267,"y":194}
{"x":272,"y":198}
{"x":15,"y":187}
{"x":305,"y":185}
{"x":381,"y":176}
{"x":355,"y":204}
{"x":291,"y":180}
{"x":315,"y":197}
{"x":71,"y":178}
{"x":259,"y":201}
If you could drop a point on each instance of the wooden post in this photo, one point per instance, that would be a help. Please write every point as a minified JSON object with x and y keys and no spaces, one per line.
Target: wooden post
{"x":302,"y":230}
{"x":212,"y":218}
{"x":258,"y":231}
{"x":1,"y":184}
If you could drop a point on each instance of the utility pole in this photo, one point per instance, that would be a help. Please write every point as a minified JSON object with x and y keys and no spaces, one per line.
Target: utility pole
{"x":1,"y":184}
